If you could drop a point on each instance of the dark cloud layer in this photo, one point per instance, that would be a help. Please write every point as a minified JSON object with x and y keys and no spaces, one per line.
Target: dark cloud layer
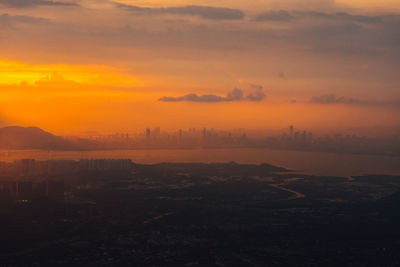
{"x":284,"y":15}
{"x":234,"y":95}
{"x":7,"y":20}
{"x":33,"y":3}
{"x":313,"y":32}
{"x":206,"y":12}
{"x":281,"y":15}
{"x":340,"y":16}
{"x":333,"y":99}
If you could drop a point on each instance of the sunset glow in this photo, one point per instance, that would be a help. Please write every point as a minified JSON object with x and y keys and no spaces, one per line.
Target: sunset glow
{"x":116,"y":59}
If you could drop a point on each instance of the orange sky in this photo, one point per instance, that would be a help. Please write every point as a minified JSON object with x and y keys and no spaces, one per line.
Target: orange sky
{"x":102,"y":66}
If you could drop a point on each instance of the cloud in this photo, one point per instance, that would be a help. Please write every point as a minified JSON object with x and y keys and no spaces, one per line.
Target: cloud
{"x":193,"y":98}
{"x":205,"y":12}
{"x":282,"y":75}
{"x":7,"y":20}
{"x":302,"y":4}
{"x":235,"y":95}
{"x":257,"y":95}
{"x":333,"y":99}
{"x":33,"y":3}
{"x":281,"y":15}
{"x":342,"y":16}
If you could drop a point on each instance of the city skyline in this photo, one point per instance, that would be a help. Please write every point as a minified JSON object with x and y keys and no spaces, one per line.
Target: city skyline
{"x":292,"y":138}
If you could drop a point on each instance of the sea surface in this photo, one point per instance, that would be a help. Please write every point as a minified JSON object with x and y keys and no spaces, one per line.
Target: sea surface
{"x":318,"y":163}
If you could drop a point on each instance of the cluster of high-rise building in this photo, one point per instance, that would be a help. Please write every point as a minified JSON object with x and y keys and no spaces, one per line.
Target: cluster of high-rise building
{"x":31,"y":167}
{"x":297,"y":136}
{"x":25,"y":190}
{"x":291,"y":138}
{"x":181,"y":138}
{"x":28,"y":179}
{"x":189,"y":138}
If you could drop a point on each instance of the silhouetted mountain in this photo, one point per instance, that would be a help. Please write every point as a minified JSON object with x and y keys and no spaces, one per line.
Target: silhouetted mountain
{"x":15,"y":137}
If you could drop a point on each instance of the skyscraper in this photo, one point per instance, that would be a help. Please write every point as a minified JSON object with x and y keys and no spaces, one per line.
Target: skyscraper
{"x":148,"y":133}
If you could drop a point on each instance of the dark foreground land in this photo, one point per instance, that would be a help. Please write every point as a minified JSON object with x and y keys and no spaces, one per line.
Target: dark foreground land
{"x":206,"y":215}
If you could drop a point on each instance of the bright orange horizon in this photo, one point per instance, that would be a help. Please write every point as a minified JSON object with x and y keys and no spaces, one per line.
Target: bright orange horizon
{"x":328,"y":65}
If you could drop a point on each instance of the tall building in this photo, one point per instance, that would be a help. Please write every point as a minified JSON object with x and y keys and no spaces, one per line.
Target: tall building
{"x":204,"y":133}
{"x":25,"y":166}
{"x":304,"y":136}
{"x":296,"y":136}
{"x":24,"y":190}
{"x":148,"y":134}
{"x":291,"y":130}
{"x":157,"y":132}
{"x":6,"y":188}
